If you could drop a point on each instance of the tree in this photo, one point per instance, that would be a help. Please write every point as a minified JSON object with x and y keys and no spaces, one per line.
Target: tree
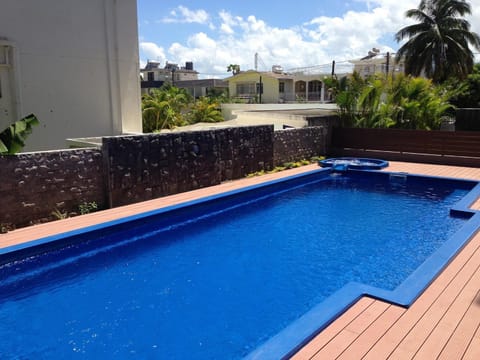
{"x":163,"y":108}
{"x":385,"y":102}
{"x":205,"y":110}
{"x":234,"y":68}
{"x":12,"y":139}
{"x":466,"y":93}
{"x":438,"y":45}
{"x":347,"y":91}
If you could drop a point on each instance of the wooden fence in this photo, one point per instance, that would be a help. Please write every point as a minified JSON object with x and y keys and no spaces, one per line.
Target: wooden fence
{"x":447,"y":147}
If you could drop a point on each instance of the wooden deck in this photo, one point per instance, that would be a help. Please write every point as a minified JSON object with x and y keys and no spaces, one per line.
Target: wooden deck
{"x":444,"y":322}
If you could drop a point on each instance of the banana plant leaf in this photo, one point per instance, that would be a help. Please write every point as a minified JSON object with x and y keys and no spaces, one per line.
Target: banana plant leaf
{"x":12,"y":139}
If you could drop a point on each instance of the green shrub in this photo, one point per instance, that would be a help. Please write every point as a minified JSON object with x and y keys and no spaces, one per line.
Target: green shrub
{"x":87,"y":208}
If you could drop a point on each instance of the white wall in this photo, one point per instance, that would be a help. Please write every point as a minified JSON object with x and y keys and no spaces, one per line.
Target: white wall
{"x":232,"y":111}
{"x":77,"y":67}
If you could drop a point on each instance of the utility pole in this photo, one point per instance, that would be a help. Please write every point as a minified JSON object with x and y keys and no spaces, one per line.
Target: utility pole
{"x":333,"y":68}
{"x":387,"y":67}
{"x":260,"y":91}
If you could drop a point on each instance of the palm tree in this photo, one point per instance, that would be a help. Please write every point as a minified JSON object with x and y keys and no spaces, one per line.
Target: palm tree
{"x":163,"y":108}
{"x":205,"y":110}
{"x":437,"y":45}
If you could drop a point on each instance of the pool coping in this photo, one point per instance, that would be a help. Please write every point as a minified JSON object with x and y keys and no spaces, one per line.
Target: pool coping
{"x":301,"y":331}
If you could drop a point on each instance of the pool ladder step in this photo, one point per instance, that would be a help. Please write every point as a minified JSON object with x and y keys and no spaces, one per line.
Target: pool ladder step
{"x":398,"y":178}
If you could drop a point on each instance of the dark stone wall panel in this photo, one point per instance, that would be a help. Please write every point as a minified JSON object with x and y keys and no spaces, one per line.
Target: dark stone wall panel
{"x":149,"y":166}
{"x":33,"y":185}
{"x":298,"y":144}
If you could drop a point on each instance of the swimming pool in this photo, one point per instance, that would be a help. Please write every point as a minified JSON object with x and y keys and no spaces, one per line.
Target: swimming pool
{"x":217,"y":278}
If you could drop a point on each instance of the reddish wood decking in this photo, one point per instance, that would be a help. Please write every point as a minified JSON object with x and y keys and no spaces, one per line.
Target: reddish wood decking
{"x":443,"y":323}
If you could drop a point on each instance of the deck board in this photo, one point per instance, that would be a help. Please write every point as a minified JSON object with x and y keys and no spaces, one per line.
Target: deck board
{"x":444,"y":322}
{"x":336,"y":346}
{"x":373,"y":333}
{"x":465,"y":332}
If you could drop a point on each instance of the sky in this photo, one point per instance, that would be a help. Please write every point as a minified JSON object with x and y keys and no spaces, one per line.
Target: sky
{"x":293,"y":34}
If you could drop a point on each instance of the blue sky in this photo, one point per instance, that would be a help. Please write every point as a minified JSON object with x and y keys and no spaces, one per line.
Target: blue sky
{"x":292,"y":34}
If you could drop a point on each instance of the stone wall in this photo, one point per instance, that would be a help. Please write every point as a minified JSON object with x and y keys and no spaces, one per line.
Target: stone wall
{"x":130,"y":169}
{"x":296,"y":144}
{"x":244,"y":150}
{"x":33,"y":185}
{"x":144,"y":167}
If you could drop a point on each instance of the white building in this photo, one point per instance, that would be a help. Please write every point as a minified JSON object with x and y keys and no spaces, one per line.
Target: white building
{"x":378,"y":63}
{"x":171,"y":73}
{"x":74,"y":64}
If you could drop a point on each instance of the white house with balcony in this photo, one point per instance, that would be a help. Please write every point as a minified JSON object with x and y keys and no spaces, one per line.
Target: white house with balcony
{"x":378,"y":63}
{"x":72,"y":63}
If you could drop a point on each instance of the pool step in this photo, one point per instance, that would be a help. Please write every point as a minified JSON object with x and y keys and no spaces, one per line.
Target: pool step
{"x":398,"y":178}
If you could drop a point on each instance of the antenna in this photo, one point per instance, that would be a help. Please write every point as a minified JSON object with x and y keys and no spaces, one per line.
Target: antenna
{"x":258,"y":59}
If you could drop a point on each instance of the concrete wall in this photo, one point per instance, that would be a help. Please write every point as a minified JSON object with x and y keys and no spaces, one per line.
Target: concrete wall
{"x":33,"y":185}
{"x":75,"y":65}
{"x":230,"y":111}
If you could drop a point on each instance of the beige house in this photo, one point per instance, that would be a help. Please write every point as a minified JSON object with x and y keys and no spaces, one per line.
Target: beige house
{"x":276,"y":86}
{"x":72,"y":63}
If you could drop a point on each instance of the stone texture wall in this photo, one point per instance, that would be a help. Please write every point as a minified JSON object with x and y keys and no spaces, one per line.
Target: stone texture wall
{"x":129,"y":169}
{"x":296,"y":144}
{"x":144,"y":167}
{"x":33,"y":185}
{"x":244,"y":150}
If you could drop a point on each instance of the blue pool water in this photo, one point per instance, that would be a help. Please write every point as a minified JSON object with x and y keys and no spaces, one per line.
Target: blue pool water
{"x":218,"y":280}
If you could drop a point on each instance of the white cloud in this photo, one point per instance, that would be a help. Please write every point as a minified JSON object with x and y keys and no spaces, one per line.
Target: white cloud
{"x":183,"y":14}
{"x":235,"y":40}
{"x":152,"y":52}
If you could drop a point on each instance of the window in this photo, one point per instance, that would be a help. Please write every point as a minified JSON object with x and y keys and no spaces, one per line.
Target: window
{"x":246,"y":89}
{"x":315,"y":86}
{"x":150,"y":76}
{"x":281,"y":87}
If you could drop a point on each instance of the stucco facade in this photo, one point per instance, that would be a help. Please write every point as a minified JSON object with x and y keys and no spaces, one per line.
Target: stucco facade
{"x":74,"y":64}
{"x":277,"y":87}
{"x":378,"y":64}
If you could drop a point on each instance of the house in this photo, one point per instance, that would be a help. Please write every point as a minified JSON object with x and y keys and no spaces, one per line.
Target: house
{"x":74,"y":64}
{"x":377,"y":63}
{"x":152,"y":76}
{"x":276,"y":86}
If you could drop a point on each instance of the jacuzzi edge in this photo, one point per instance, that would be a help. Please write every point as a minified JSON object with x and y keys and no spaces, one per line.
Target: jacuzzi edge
{"x":295,"y":336}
